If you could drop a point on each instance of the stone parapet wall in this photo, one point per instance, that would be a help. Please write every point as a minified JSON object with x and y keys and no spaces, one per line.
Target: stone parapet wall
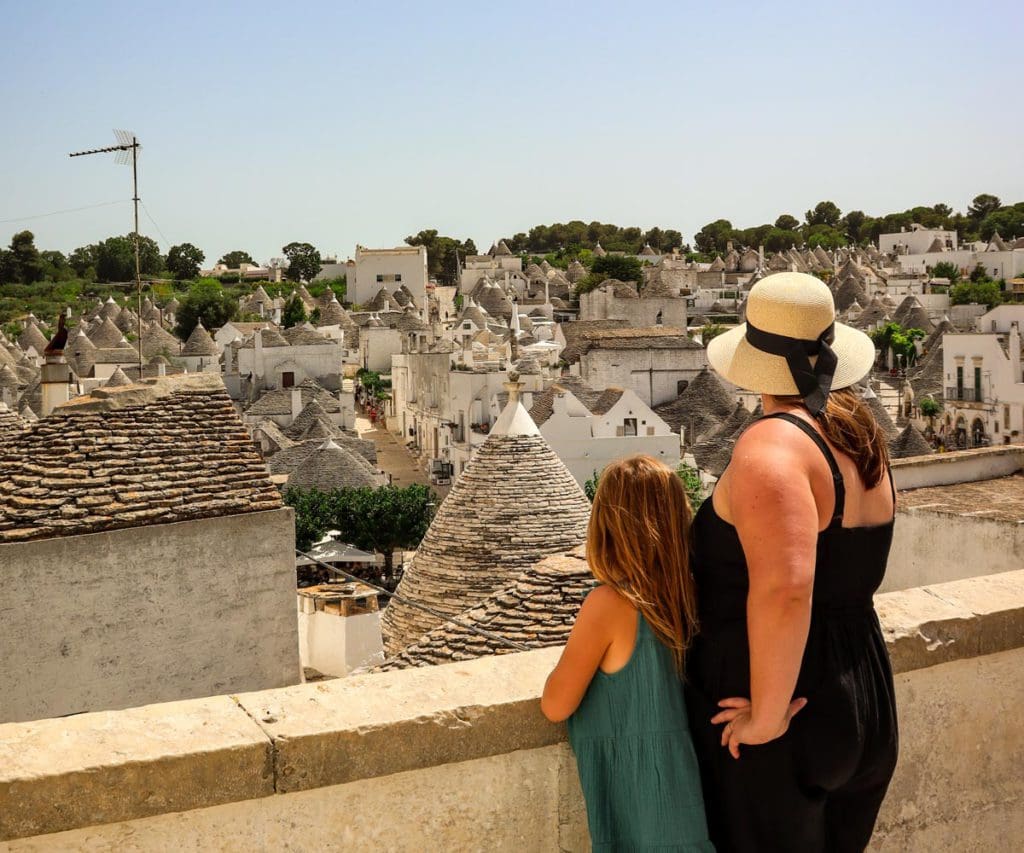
{"x":958,"y":466}
{"x":459,"y":756}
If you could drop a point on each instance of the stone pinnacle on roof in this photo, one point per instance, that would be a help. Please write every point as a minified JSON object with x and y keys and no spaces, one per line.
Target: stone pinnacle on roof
{"x":515,"y":503}
{"x":199,"y":343}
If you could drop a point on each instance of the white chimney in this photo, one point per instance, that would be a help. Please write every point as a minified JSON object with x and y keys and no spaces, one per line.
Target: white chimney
{"x":55,"y":383}
{"x":339,"y":627}
{"x":296,"y":401}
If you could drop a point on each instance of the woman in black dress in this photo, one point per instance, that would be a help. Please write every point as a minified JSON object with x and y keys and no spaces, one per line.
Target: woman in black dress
{"x":789,"y":687}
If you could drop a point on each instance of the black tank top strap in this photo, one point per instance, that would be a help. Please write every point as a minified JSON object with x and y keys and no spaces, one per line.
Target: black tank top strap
{"x":826,"y":451}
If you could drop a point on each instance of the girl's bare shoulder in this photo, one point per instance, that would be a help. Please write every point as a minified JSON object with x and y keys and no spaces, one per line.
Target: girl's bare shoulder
{"x":606,"y":603}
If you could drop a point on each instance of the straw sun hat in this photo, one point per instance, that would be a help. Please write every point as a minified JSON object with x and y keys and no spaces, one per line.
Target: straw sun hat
{"x":791,"y":344}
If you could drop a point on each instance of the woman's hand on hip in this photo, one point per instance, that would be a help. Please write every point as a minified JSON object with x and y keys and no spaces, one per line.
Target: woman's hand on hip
{"x":740,"y":727}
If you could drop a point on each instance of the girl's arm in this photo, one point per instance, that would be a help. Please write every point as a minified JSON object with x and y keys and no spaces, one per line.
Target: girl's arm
{"x":776,"y":517}
{"x":588,"y":642}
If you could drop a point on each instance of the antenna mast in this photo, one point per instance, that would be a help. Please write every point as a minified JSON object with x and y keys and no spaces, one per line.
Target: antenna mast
{"x":128,"y":141}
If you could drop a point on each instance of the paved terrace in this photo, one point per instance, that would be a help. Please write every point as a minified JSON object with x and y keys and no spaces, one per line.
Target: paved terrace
{"x":458,"y":757}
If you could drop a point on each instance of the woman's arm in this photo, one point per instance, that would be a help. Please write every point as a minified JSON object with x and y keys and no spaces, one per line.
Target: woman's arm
{"x":588,"y":642}
{"x":774,"y":511}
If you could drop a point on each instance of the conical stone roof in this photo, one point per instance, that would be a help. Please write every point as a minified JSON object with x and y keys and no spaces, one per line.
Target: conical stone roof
{"x":702,"y":406}
{"x":199,"y":343}
{"x":106,"y":335}
{"x":851,"y":290}
{"x":118,"y":379}
{"x":31,"y":336}
{"x":332,"y":314}
{"x":310,"y":414}
{"x":331,"y":467}
{"x":156,"y":340}
{"x":515,"y":503}
{"x":111,"y":310}
{"x":910,"y":442}
{"x":911,"y":315}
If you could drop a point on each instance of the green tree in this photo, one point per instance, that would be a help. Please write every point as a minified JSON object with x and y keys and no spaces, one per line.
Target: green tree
{"x":235,"y":258}
{"x":621,"y":267}
{"x":83,"y":261}
{"x":294,"y":312}
{"x":115,"y":258}
{"x":590,"y":486}
{"x":778,"y":240}
{"x":303,"y":261}
{"x":892,"y":336}
{"x":374,"y":519}
{"x":207,"y":302}
{"x":444,"y":254}
{"x":1008,"y":221}
{"x":982,"y":206}
{"x":824,"y":213}
{"x":183,"y":260}
{"x":714,"y":236}
{"x":979,"y":274}
{"x":852,"y":224}
{"x":979,"y":292}
{"x":945,"y":269}
{"x":825,"y":236}
{"x":692,"y":485}
{"x":21,"y":263}
{"x":787,"y":223}
{"x":710,"y":331}
{"x":930,"y":407}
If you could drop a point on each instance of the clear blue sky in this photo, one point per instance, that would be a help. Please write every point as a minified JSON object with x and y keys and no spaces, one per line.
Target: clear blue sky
{"x":338,"y":122}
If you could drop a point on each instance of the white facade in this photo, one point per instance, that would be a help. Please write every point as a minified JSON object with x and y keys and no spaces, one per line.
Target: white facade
{"x":282,"y":367}
{"x":984,"y":386}
{"x":997,"y":265}
{"x":587,"y":443}
{"x":390,"y":269}
{"x":916,"y":242}
{"x":477,"y":266}
{"x":654,"y":373}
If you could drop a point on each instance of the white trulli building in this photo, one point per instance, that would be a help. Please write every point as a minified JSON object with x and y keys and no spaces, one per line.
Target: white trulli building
{"x":515,"y":503}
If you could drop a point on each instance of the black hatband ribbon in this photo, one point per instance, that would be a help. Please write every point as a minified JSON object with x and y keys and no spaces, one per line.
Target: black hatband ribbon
{"x":813,"y":383}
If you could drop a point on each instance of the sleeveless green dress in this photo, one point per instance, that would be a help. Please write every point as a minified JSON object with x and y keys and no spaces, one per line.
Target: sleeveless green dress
{"x":637,"y":766}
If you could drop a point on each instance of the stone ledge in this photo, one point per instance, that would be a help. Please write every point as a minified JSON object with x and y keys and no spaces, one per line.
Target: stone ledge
{"x":115,"y":766}
{"x":373,"y":725}
{"x":112,"y":766}
{"x":967,"y":618}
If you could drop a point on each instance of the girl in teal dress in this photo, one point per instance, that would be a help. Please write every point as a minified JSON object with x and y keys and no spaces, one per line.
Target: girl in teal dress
{"x":618,"y":681}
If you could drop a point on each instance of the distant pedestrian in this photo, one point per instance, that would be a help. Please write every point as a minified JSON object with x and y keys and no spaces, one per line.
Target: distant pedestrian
{"x":618,"y":680}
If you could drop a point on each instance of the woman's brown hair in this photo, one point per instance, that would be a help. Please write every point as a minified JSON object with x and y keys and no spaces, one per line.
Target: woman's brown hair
{"x":638,"y":543}
{"x":848,"y":424}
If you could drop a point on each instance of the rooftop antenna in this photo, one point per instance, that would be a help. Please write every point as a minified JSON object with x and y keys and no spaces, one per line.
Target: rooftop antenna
{"x":127,"y":150}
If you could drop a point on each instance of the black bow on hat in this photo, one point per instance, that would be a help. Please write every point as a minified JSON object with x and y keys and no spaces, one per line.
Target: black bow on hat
{"x":813,"y":383}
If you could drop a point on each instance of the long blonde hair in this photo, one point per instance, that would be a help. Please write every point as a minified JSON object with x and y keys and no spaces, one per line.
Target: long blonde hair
{"x":638,"y":543}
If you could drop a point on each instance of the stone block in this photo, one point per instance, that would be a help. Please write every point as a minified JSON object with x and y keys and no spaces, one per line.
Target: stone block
{"x":372,"y":725}
{"x":109,"y":766}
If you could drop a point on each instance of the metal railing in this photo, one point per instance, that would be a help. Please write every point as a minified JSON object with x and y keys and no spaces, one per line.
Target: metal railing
{"x":967,"y":395}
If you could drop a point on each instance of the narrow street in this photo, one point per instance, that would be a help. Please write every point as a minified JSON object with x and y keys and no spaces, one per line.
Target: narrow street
{"x":395,"y":459}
